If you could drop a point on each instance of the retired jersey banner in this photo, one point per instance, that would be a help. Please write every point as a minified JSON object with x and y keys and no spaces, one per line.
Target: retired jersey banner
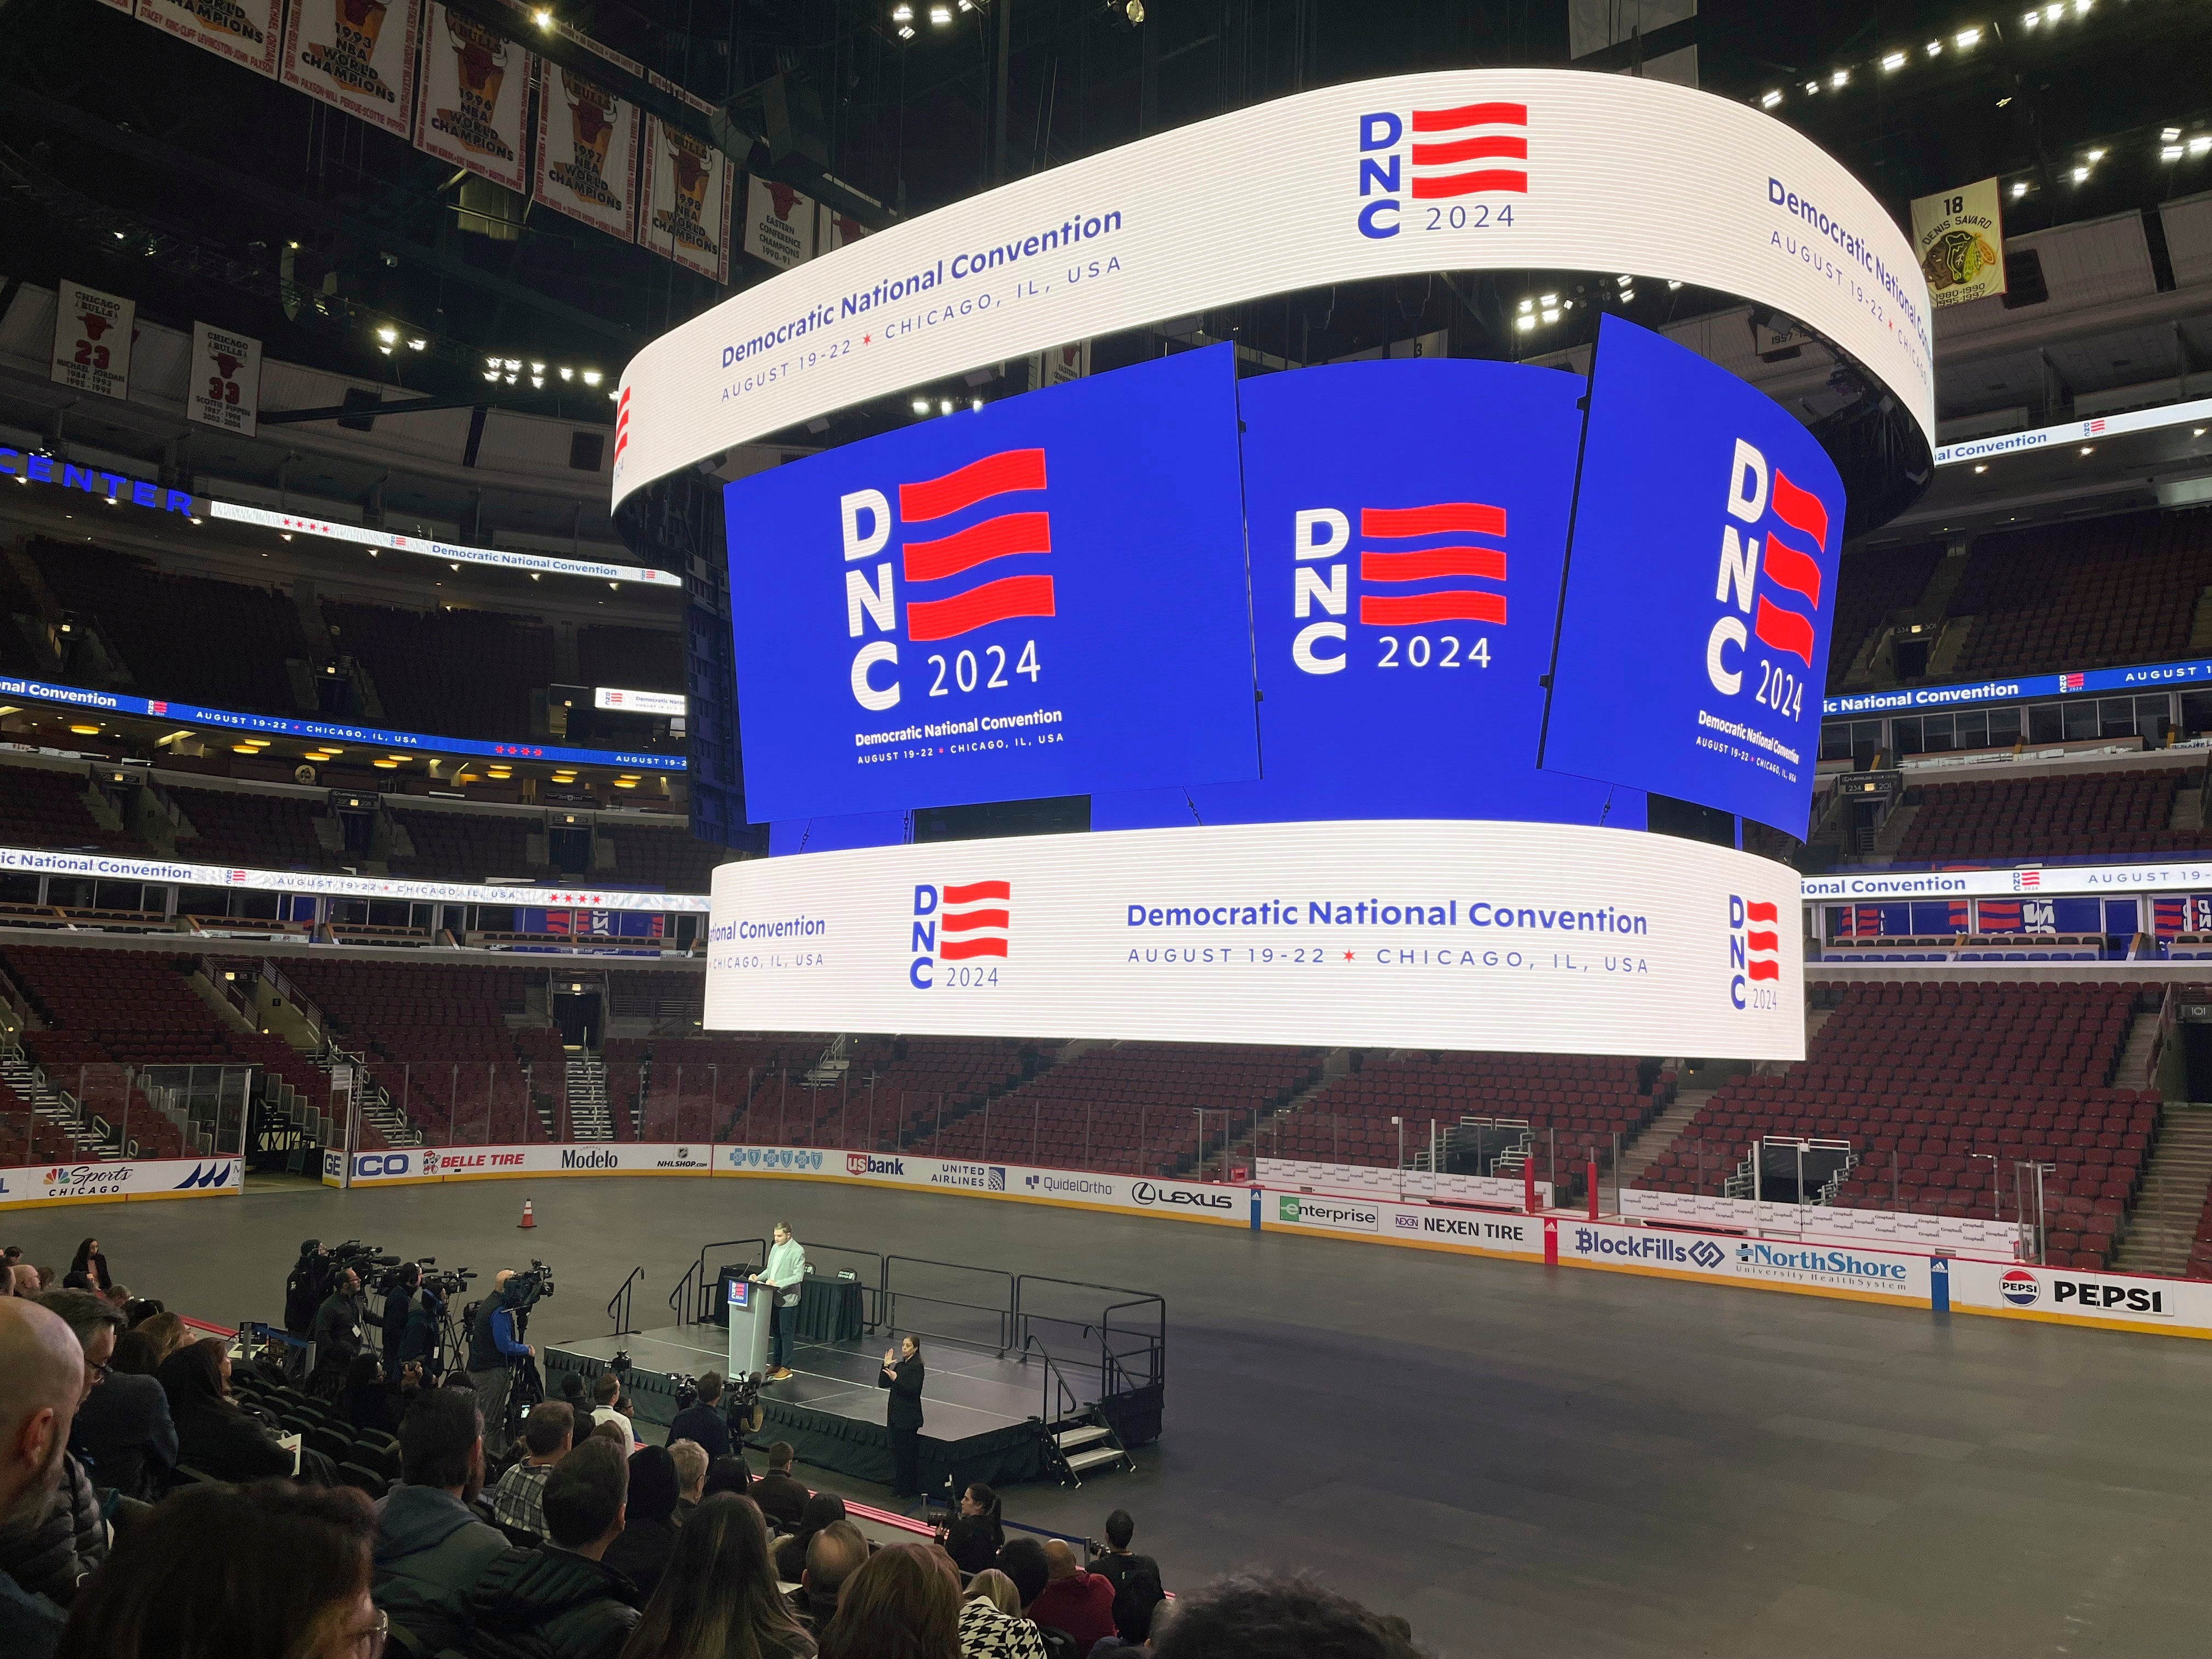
{"x":779,"y":223}
{"x":355,"y":55}
{"x":687,"y":193}
{"x":588,"y":145}
{"x":91,"y":340}
{"x":474,"y":98}
{"x":1959,"y":236}
{"x":223,"y":386}
{"x":248,"y":34}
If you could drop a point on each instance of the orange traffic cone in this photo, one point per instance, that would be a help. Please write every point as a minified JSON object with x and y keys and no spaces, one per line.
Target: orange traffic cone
{"x":528,"y":1219}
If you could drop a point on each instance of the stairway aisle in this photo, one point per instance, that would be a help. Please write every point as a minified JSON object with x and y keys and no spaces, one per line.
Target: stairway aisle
{"x":2164,"y":1222}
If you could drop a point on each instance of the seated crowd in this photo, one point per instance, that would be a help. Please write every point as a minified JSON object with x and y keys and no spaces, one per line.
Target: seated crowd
{"x":149,"y":1509}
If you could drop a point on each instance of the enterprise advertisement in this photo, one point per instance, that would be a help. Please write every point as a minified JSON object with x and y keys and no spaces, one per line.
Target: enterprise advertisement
{"x":1529,"y":938}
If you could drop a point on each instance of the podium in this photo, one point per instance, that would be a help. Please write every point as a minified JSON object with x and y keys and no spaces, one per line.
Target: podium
{"x":749,"y":1306}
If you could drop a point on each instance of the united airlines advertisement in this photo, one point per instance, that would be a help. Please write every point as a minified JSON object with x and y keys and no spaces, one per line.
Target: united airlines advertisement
{"x":1532,"y":937}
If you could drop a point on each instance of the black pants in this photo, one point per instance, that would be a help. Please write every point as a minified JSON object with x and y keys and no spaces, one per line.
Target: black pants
{"x":906,"y":1462}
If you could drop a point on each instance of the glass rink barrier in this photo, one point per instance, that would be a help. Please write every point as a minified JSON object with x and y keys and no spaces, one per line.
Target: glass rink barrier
{"x":111,"y":1112}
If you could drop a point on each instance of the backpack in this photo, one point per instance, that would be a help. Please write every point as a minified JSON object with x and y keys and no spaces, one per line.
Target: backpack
{"x":1139,"y":1593}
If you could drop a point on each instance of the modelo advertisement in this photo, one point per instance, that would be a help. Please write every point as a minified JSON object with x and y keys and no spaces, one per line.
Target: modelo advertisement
{"x":403,"y":1165}
{"x":1700,"y":585}
{"x":104,"y":1182}
{"x":1461,"y":935}
{"x":1044,"y":597}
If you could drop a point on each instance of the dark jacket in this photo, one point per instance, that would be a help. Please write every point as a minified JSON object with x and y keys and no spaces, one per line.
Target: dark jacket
{"x":703,"y":1426}
{"x":124,"y":1430}
{"x":904,"y":1381}
{"x":973,"y":1542}
{"x":30,"y":1624}
{"x":782,"y":1498}
{"x":68,"y":1542}
{"x":410,"y":1327}
{"x":340,"y":1328}
{"x":642,"y":1553}
{"x":213,"y":1436}
{"x":430,"y":1547}
{"x":374,"y":1409}
{"x":580,"y":1608}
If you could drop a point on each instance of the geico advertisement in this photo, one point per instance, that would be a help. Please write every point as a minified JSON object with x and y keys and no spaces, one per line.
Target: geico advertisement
{"x":1482,"y":169}
{"x":1461,"y":935}
{"x":415,"y":1163}
{"x":58,"y":1183}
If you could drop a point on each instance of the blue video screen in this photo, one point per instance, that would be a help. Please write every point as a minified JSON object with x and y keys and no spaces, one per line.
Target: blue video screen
{"x":1407,"y":521}
{"x":1700,"y":585}
{"x":1044,"y":597}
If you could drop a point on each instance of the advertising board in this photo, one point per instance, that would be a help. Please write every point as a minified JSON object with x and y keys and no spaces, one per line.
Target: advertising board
{"x":104,"y":1182}
{"x":1700,"y":585}
{"x":1044,"y":596}
{"x":1460,"y":935}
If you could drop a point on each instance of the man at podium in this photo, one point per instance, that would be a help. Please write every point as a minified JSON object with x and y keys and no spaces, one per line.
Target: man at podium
{"x":786,"y":1275}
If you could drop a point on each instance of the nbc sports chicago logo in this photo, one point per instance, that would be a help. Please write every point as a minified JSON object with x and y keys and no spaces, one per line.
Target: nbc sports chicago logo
{"x":1441,"y":169}
{"x":965,"y":924}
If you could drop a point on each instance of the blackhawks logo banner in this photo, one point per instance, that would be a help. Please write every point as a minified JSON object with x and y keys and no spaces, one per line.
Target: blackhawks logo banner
{"x":475,"y":96}
{"x":687,"y":193}
{"x":588,"y":144}
{"x":358,"y":55}
{"x":1959,"y":237}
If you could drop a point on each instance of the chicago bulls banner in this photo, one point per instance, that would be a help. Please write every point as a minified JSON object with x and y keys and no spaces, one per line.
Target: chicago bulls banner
{"x":779,"y":223}
{"x":91,"y":340}
{"x":686,"y":215}
{"x":244,"y":31}
{"x":834,"y":229}
{"x":474,"y":96}
{"x":356,"y":55}
{"x":223,"y":381}
{"x":588,"y":144}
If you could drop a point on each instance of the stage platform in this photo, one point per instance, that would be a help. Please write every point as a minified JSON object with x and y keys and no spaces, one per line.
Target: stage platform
{"x":981,"y":1415}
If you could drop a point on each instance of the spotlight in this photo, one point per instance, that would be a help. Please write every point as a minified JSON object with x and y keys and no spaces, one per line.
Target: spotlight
{"x":2169,"y":134}
{"x":1894,"y":60}
{"x":2199,"y":144}
{"x":1840,"y":78}
{"x":567,"y":373}
{"x":2095,"y":155}
{"x":387,"y":335}
{"x":1770,"y":101}
{"x":1525,"y":322}
{"x":2170,"y":153}
{"x":2031,"y":20}
{"x":1966,"y":37}
{"x":1812,"y":85}
{"x":945,"y":405}
{"x":1935,"y":48}
{"x":1135,"y":11}
{"x":1982,"y":468}
{"x":417,"y":346}
{"x":906,"y":31}
{"x":1551,"y":316}
{"x":1527,"y":306}
{"x":2081,"y":174}
{"x":1671,"y":287}
{"x":1628,"y":296}
{"x":1549,"y":299}
{"x":2019,"y":189}
{"x":593,"y":377}
{"x":543,"y":17}
{"x":975,"y":403}
{"x":921,"y":405}
{"x":940,"y":15}
{"x":2088,"y":449}
{"x":902,"y":14}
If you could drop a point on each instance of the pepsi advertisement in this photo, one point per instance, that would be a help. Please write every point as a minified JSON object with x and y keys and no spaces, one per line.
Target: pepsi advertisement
{"x":1406,"y":523}
{"x":1044,"y":597}
{"x":1700,"y":585}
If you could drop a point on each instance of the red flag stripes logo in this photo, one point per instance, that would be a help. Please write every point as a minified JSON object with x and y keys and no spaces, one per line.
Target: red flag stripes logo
{"x":1780,"y":592}
{"x":1784,"y":628}
{"x":1000,"y":535}
{"x":622,"y":423}
{"x":1754,"y":951}
{"x":1441,"y":155}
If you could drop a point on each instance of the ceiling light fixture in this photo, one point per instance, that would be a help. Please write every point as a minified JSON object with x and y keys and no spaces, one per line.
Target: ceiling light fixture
{"x":1770,"y":101}
{"x":1965,"y":38}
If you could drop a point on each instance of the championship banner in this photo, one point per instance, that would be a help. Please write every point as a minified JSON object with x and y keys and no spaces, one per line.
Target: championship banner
{"x":224,"y":388}
{"x":1059,"y":365}
{"x":352,"y":55}
{"x":779,"y":223}
{"x":1520,"y":937}
{"x":91,"y":340}
{"x":1959,"y":237}
{"x":247,"y":33}
{"x":588,"y":145}
{"x":834,"y":229}
{"x":473,"y":97}
{"x":687,"y":193}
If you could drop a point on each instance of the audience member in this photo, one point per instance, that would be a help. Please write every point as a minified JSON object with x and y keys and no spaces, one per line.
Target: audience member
{"x":904,"y":1603}
{"x":730,"y":1473}
{"x":1135,"y":1578}
{"x":41,"y":1382}
{"x":228,"y":1572}
{"x":70,"y":1540}
{"x":718,"y":1598}
{"x":548,"y":1433}
{"x":430,"y":1544}
{"x":168,"y":1332}
{"x":140,"y":1309}
{"x":1155,"y":1625}
{"x":782,"y":1498}
{"x":1023,"y":1560}
{"x":833,"y":1555}
{"x":87,"y":1269}
{"x":606,"y":1393}
{"x":25,"y":1278}
{"x":213,"y":1436}
{"x":976,"y":1535}
{"x":368,"y":1403}
{"x":46,"y":1279}
{"x":124,"y":1428}
{"x":702,"y":1422}
{"x":615,"y":1436}
{"x":991,"y":1622}
{"x":1253,"y":1617}
{"x":822,"y":1507}
{"x":642,"y":1553}
{"x":1081,"y":1603}
{"x":117,"y":1297}
{"x":691,"y":1461}
{"x":563,"y":1593}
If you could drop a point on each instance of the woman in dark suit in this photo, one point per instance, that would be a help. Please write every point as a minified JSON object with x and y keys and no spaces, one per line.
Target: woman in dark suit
{"x":213,"y":1435}
{"x":902,"y":1375}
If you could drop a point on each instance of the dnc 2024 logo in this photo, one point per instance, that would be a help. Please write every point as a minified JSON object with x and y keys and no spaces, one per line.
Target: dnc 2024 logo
{"x":963,"y":584}
{"x":1754,"y":953}
{"x":1778,"y":588}
{"x":1419,"y":568}
{"x":1440,"y":161}
{"x":965,"y":924}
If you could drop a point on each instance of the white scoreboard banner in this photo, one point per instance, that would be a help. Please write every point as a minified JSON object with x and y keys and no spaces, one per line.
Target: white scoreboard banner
{"x":1537,"y":938}
{"x":1535,"y":170}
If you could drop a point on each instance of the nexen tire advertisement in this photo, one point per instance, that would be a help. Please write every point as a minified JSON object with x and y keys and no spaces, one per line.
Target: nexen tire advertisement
{"x":1532,"y":937}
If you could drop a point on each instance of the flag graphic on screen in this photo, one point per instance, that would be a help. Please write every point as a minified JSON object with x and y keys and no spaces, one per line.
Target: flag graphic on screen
{"x":1792,"y":568}
{"x":946,"y":556}
{"x":974,"y":920}
{"x":2168,"y":916}
{"x":1762,"y":942}
{"x":2070,"y":682}
{"x":1404,"y":545}
{"x":2000,"y":916}
{"x":1960,"y":917}
{"x":1456,"y":151}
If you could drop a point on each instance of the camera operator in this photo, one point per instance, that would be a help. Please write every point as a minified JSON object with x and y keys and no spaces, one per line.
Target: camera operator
{"x":412,"y":1311}
{"x":339,"y":1332}
{"x":304,"y":1291}
{"x":495,"y":1350}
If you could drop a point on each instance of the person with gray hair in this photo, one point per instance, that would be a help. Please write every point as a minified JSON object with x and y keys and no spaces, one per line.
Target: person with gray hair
{"x":691,"y":1459}
{"x":41,"y":1381}
{"x":70,"y":1540}
{"x":125,"y":1434}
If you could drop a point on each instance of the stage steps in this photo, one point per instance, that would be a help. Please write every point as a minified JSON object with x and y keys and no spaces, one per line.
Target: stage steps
{"x":1083,"y":1443}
